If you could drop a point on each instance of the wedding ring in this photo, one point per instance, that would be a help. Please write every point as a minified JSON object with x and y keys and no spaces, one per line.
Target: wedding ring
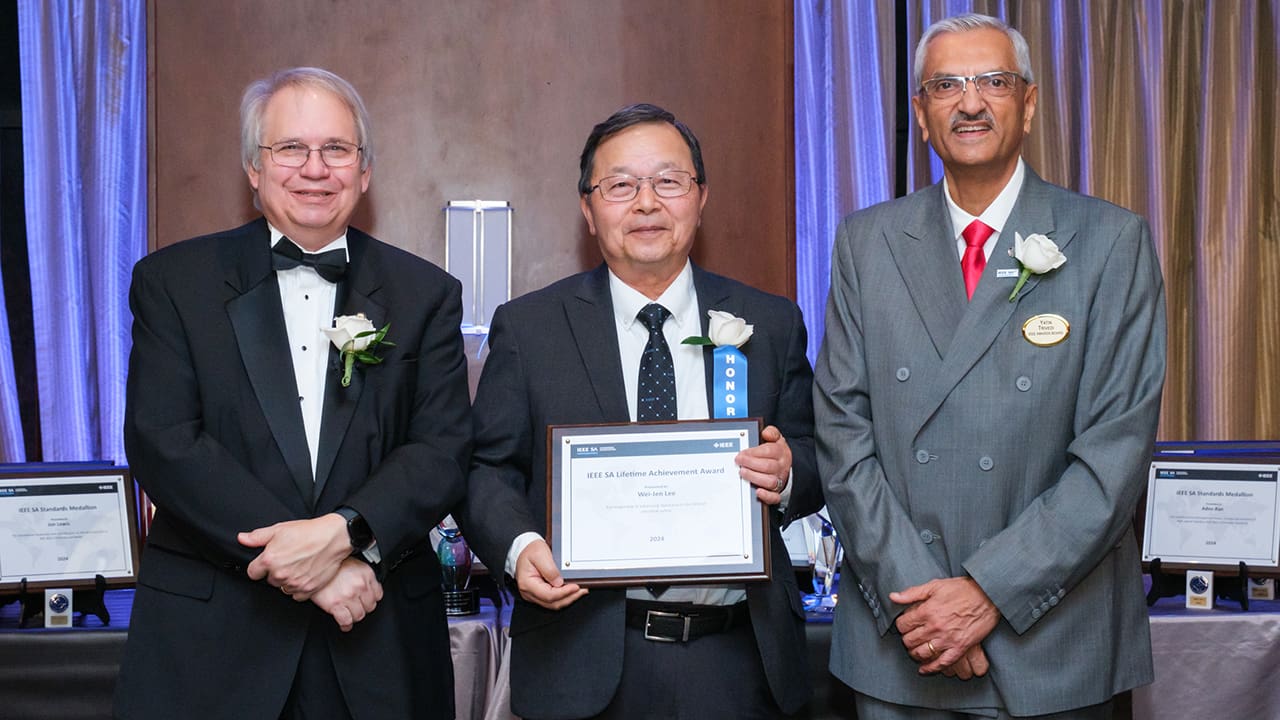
{"x":777,"y":486}
{"x":933,"y":652}
{"x":285,"y":589}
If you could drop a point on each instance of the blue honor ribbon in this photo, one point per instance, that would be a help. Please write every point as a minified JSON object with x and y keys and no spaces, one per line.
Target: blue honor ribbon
{"x":729,"y":376}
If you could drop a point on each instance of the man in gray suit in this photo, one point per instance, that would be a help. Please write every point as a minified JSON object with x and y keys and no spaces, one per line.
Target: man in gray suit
{"x":984,"y":421}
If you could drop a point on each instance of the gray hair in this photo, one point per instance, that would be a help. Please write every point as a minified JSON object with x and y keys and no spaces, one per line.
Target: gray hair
{"x":974,"y":21}
{"x":260,"y":92}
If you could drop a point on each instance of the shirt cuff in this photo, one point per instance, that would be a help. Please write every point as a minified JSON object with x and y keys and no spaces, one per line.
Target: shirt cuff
{"x":522,"y":541}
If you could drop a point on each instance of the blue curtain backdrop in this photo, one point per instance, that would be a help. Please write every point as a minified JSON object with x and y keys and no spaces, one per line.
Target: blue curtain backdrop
{"x":84,"y":140}
{"x":12,"y":449}
{"x":844,"y":100}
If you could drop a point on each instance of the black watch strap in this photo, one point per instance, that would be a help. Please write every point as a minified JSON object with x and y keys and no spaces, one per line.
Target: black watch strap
{"x":358,"y":531}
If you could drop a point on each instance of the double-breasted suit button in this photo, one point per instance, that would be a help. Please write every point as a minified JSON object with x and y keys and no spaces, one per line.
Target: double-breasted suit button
{"x":986,"y":463}
{"x":922,"y":456}
{"x":927,"y":536}
{"x":903,"y":374}
{"x":1023,"y":383}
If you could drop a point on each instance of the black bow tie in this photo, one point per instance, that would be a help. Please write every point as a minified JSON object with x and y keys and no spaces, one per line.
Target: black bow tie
{"x":331,"y":265}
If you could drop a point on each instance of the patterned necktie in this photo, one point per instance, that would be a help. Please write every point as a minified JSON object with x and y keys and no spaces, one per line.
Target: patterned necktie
{"x":331,"y":265}
{"x":974,"y":260}
{"x":656,"y":392}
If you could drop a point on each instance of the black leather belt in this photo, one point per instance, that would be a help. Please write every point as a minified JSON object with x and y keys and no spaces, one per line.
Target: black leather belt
{"x":676,"y":622}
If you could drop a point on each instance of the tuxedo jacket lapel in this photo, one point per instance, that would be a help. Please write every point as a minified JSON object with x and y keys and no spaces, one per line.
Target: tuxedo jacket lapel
{"x":356,"y":294}
{"x":257,"y":318}
{"x":590,"y":316}
{"x":930,"y":267}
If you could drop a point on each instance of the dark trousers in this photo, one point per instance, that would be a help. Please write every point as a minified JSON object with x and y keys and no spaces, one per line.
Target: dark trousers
{"x":715,"y":676}
{"x":316,"y":694}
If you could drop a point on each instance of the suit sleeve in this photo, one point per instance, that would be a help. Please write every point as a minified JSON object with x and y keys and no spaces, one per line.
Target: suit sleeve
{"x":881,"y":543}
{"x":183,"y":468}
{"x":496,"y":508}
{"x":794,"y":419}
{"x":1063,"y":534}
{"x":421,"y":479}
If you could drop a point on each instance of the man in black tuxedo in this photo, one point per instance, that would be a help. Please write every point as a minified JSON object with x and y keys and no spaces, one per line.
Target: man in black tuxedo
{"x":571,"y":353}
{"x":287,"y":573}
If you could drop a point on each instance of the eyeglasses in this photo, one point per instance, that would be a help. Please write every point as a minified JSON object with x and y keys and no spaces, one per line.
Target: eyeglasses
{"x":666,"y":184}
{"x":995,"y":84}
{"x":291,"y":153}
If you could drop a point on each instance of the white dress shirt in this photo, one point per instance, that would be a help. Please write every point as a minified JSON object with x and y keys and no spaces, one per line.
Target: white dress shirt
{"x":994,"y":217}
{"x":308,"y":301}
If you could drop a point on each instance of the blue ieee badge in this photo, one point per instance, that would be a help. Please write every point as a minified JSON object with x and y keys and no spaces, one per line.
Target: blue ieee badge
{"x":729,"y":375}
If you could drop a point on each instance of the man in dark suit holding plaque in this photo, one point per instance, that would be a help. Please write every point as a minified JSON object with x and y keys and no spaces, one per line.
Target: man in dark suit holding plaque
{"x":606,"y":346}
{"x":987,"y":397}
{"x":288,"y":573}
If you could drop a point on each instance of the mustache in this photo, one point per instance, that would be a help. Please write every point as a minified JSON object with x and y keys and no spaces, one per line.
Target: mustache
{"x":960,"y":116}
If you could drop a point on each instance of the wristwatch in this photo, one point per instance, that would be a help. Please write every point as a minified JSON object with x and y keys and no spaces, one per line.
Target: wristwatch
{"x":357,"y":530}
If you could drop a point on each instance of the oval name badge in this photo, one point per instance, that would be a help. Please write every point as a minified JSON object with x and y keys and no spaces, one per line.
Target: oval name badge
{"x":1046,"y":330}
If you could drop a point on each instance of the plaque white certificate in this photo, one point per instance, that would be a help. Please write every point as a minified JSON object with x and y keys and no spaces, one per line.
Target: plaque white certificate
{"x":66,"y":529}
{"x":1212,"y":514}
{"x":631,"y":504}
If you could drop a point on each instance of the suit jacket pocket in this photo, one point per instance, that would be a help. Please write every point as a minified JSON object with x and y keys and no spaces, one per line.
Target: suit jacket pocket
{"x":170,"y":572}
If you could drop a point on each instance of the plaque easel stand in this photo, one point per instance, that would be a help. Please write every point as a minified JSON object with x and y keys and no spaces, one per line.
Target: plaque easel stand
{"x":1166,"y":585}
{"x":86,"y":601}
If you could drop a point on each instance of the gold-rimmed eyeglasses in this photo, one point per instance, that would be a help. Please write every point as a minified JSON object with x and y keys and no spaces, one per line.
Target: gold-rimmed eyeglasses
{"x":292,"y":153}
{"x":995,"y":84}
{"x":666,"y":184}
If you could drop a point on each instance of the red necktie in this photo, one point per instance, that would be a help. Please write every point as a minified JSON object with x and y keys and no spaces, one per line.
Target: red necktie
{"x":974,"y":260}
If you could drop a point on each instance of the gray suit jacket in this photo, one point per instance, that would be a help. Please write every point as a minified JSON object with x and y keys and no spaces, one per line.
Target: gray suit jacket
{"x":554,"y":360}
{"x":949,"y":445}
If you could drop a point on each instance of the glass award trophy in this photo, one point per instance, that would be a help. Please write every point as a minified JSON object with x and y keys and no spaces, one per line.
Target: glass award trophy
{"x":827,"y":554}
{"x":455,"y":571}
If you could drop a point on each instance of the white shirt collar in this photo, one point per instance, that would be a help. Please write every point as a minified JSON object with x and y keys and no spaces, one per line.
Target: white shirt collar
{"x":677,"y":298}
{"x":996,"y":214}
{"x":339,"y":243}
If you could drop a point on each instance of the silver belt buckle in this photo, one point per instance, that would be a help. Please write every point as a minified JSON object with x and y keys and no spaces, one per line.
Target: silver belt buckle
{"x":648,"y":621}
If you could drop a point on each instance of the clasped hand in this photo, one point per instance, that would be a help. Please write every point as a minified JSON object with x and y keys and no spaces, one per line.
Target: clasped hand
{"x":310,"y":560}
{"x":945,"y":625}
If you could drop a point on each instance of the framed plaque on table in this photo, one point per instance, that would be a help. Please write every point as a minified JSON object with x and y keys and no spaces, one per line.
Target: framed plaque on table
{"x":1213,"y":513}
{"x":67,"y":527}
{"x":641,"y":503}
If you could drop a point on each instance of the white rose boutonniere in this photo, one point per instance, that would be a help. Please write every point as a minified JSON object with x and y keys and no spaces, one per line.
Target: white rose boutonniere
{"x":1035,"y":254}
{"x":356,"y":338}
{"x":724,"y":329}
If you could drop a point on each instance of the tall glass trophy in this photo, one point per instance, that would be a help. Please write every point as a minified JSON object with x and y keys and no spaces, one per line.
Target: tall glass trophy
{"x":455,"y":570}
{"x":827,"y":554}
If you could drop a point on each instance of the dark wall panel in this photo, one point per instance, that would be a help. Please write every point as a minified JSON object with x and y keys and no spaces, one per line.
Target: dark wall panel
{"x":490,"y":100}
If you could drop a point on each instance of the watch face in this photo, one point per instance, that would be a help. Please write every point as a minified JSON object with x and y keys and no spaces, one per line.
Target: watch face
{"x":359,"y":533}
{"x":1198,"y":584}
{"x":59,"y":603}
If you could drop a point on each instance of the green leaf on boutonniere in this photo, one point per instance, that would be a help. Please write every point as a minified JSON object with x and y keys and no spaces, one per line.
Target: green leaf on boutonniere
{"x":696,"y":340}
